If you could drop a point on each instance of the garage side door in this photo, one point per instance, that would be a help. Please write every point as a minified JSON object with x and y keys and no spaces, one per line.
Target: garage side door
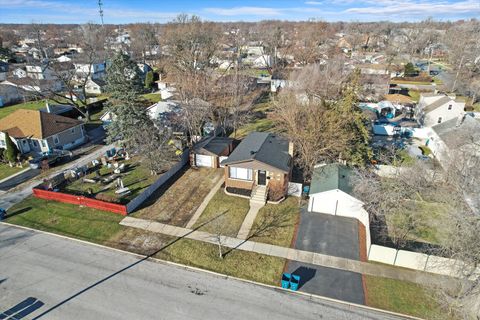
{"x":203,"y":161}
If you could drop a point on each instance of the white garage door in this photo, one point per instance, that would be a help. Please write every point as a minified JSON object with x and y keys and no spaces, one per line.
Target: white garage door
{"x":203,"y":161}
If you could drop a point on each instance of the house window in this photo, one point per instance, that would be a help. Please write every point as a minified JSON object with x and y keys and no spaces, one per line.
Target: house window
{"x":56,"y":140}
{"x":439,"y":120}
{"x":450,"y":107}
{"x":35,"y":144}
{"x":24,"y":141}
{"x":43,"y":143}
{"x":73,"y":130}
{"x":240,"y":173}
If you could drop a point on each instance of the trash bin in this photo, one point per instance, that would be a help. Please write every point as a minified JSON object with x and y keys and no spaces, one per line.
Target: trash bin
{"x":3,"y":213}
{"x":294,"y":282}
{"x":286,"y":280}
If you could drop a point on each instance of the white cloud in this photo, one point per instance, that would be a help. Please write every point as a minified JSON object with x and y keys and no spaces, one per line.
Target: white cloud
{"x":409,"y":7}
{"x":314,"y":3}
{"x":238,"y":11}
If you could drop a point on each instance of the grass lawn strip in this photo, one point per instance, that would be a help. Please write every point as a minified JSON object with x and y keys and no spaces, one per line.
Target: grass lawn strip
{"x":178,"y":202}
{"x":104,"y":228}
{"x":65,"y":219}
{"x":153,"y":97}
{"x":6,"y":170}
{"x":275,"y":223}
{"x":403,"y":297}
{"x":32,"y":105}
{"x":234,"y":208}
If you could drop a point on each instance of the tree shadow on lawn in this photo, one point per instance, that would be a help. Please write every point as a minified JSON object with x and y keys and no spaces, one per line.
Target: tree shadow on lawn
{"x":17,"y":212}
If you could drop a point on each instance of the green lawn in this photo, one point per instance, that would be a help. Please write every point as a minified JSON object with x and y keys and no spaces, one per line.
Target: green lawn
{"x":415,"y":95}
{"x":256,"y":125}
{"x":430,"y":221}
{"x":32,"y":105}
{"x":65,"y":219}
{"x":137,"y":177}
{"x":153,"y":97}
{"x":403,"y":297}
{"x":6,"y":170}
{"x":237,"y":263}
{"x":411,"y":82}
{"x":234,"y":210}
{"x":275,"y":223}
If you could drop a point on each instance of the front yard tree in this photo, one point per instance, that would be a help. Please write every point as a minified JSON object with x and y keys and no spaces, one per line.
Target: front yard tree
{"x":11,"y":151}
{"x":149,"y":80}
{"x":409,"y":70}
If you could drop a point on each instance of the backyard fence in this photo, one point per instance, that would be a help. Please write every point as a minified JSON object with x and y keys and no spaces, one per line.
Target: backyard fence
{"x":138,"y":200}
{"x":419,"y":261}
{"x":80,"y":200}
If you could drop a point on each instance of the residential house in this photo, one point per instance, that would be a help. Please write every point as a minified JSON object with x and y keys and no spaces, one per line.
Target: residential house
{"x":211,"y":151}
{"x":262,"y":161}
{"x":434,"y":109}
{"x":331,"y":192}
{"x":64,"y":58}
{"x":34,"y":131}
{"x":31,"y":85}
{"x":95,"y":70}
{"x":19,"y":73}
{"x":94,"y":86}
{"x":39,"y":71}
{"x":9,"y":94}
{"x":3,"y":71}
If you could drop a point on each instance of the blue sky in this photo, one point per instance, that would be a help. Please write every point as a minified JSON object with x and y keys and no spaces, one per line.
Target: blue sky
{"x":124,"y":11}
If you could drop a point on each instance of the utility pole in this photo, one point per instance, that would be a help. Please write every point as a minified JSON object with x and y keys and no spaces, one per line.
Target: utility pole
{"x":100,"y":10}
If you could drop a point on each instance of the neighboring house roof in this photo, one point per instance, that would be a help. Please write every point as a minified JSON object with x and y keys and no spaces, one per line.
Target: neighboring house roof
{"x":34,"y":123}
{"x":212,"y":145}
{"x":98,"y":82}
{"x":267,"y":148}
{"x":456,"y":133}
{"x":440,"y":102}
{"x":331,"y":177}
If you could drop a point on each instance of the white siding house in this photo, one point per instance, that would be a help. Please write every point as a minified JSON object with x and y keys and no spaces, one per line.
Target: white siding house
{"x":433,"y":110}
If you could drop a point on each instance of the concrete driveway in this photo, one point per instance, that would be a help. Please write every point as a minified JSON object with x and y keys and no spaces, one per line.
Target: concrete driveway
{"x":332,"y":235}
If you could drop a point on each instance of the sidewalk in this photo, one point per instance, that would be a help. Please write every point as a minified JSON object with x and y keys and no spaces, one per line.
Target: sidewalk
{"x":249,"y":220}
{"x":314,"y":258}
{"x":16,"y":195}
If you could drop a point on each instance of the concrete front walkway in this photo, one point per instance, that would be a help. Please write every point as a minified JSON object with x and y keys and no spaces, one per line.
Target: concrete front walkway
{"x":292,"y":254}
{"x":249,"y":220}
{"x":204,"y":203}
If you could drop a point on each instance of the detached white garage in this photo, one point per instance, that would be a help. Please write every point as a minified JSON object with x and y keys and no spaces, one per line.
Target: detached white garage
{"x":210,"y":151}
{"x":203,"y":161}
{"x":331,"y":193}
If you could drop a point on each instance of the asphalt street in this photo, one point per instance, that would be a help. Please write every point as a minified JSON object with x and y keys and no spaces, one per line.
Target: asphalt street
{"x":19,"y":179}
{"x":48,"y":277}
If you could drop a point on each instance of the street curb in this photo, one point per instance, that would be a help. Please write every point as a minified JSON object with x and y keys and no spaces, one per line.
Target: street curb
{"x":15,"y":174}
{"x":220,"y":275}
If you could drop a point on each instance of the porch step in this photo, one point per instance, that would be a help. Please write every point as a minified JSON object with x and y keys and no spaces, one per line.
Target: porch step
{"x":259,"y":194}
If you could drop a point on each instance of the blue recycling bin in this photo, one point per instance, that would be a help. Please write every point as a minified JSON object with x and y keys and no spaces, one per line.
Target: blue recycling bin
{"x":3,"y":213}
{"x":286,"y":280}
{"x":294,"y":282}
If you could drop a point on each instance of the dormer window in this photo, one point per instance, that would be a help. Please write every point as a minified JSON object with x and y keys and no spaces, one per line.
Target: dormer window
{"x":439,"y":120}
{"x":450,"y":107}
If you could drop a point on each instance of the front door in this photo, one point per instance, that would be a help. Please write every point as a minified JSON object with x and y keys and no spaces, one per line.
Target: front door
{"x":262,"y":177}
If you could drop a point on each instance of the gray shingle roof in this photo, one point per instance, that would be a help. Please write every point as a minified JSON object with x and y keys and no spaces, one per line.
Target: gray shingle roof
{"x":331,"y":177}
{"x":455,"y":136}
{"x":440,"y":102}
{"x":214,"y":145}
{"x":264,"y":147}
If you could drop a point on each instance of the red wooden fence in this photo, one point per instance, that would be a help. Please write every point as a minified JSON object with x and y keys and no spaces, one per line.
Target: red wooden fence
{"x":80,"y":200}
